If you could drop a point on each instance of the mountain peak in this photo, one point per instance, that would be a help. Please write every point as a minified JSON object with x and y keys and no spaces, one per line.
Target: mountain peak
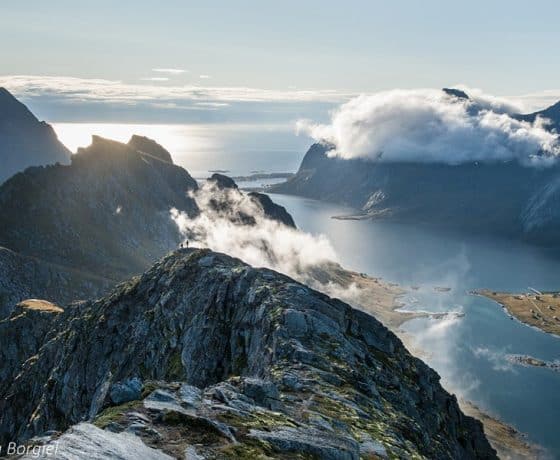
{"x":24,"y":140}
{"x":458,"y":93}
{"x":13,"y":110}
{"x":222,"y":181}
{"x":150,"y":147}
{"x":5,"y":93}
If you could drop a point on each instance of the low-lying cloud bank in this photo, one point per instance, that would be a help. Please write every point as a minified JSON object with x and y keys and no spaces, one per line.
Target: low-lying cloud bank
{"x":429,"y":125}
{"x":75,"y":90}
{"x":263,"y":243}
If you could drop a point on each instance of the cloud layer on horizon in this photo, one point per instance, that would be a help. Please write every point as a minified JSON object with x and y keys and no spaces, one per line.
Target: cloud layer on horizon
{"x":83,"y":89}
{"x":63,"y":98}
{"x":429,"y":125}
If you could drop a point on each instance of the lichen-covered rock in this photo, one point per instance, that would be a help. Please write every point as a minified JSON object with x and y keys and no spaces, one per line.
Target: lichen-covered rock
{"x":236,"y":362}
{"x":129,"y":390}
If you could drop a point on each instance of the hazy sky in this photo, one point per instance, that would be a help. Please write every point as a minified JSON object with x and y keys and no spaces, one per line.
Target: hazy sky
{"x":507,"y":48}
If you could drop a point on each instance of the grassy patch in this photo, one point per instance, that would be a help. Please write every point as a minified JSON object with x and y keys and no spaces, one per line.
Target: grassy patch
{"x":115,"y":413}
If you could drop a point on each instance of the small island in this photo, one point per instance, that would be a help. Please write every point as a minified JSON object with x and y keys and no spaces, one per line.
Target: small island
{"x":530,"y":361}
{"x":538,"y":309}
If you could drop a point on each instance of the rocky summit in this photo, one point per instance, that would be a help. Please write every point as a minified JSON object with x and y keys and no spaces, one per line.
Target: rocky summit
{"x":206,"y":357}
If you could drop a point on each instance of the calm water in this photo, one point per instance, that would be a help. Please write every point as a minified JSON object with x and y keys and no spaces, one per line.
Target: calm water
{"x":468,"y":352}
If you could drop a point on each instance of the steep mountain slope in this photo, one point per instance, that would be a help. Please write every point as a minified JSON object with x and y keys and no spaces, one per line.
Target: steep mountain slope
{"x":501,"y":198}
{"x":107,"y":212}
{"x":204,"y":355}
{"x":493,"y":197}
{"x":24,"y":140}
{"x":24,"y":277}
{"x":551,"y":113}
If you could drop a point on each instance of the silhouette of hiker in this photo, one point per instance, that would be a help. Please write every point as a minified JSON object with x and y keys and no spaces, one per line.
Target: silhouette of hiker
{"x":187,"y":243}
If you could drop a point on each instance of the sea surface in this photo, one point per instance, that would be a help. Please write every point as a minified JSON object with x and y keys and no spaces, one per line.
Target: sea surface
{"x":469,"y":351}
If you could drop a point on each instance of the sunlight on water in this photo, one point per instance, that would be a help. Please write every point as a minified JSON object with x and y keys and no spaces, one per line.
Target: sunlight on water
{"x":238,"y":149}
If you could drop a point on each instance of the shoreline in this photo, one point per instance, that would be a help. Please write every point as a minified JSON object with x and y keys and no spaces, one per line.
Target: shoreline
{"x":540,"y":311}
{"x":509,"y":442}
{"x":382,"y":299}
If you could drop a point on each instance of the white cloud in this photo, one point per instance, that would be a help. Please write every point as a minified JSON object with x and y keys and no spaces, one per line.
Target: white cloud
{"x":430,"y":126}
{"x":266,"y":243}
{"x":212,"y":104}
{"x":155,"y":79}
{"x":498,"y":359}
{"x":74,"y":89}
{"x":204,"y":77}
{"x":534,"y":102}
{"x":170,"y":71}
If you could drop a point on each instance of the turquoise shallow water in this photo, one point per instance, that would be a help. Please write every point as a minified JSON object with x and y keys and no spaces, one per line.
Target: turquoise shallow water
{"x":469,"y":351}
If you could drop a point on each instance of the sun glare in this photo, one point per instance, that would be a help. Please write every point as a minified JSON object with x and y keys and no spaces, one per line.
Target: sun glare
{"x":172,"y":137}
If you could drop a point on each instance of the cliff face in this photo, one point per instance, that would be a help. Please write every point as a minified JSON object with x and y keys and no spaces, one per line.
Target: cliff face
{"x":204,"y":355}
{"x":24,"y":140}
{"x":504,"y":199}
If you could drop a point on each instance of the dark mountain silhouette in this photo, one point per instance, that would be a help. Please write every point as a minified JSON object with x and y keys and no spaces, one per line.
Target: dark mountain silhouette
{"x":24,"y":140}
{"x":551,"y":113}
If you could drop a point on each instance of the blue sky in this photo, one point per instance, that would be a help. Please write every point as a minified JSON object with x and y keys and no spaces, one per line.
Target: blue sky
{"x":290,"y":58}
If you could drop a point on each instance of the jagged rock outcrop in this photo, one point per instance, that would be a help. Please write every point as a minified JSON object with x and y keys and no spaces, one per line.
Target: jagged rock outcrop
{"x":24,"y":140}
{"x":149,"y":147}
{"x":235,"y":362}
{"x":222,"y":181}
{"x":230,"y":202}
{"x":273,"y":210}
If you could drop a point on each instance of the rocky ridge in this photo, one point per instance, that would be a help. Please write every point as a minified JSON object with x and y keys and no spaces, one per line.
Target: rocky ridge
{"x":204,"y":355}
